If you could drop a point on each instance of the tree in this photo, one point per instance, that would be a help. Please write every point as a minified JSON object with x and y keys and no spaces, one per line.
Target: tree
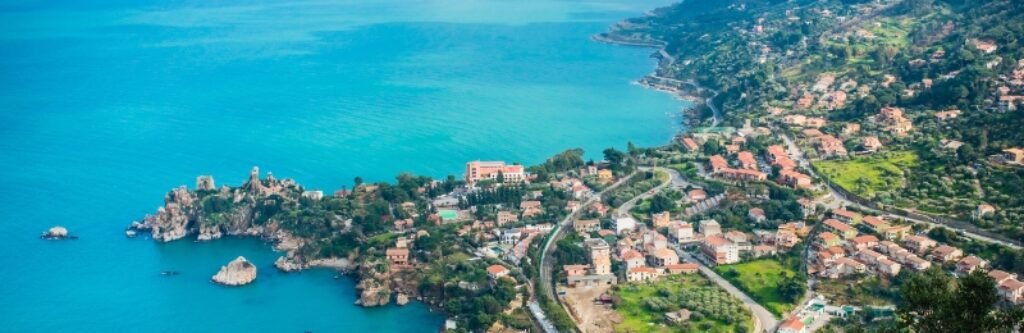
{"x":358,"y":181}
{"x":661,"y":203}
{"x":934,"y":302}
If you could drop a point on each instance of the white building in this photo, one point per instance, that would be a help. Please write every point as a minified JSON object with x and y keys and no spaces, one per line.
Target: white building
{"x":625,"y":223}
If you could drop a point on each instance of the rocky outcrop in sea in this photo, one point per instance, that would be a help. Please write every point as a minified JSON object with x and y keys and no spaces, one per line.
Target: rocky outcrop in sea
{"x":55,"y":233}
{"x":236,"y":273}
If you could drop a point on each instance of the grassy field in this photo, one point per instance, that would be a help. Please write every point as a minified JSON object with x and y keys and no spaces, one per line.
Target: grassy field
{"x":869,"y":291}
{"x":760,"y":279}
{"x":867,"y":175}
{"x":643,"y":306}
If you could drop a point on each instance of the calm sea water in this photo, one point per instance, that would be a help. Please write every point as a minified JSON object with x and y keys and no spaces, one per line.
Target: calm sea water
{"x":107,"y":104}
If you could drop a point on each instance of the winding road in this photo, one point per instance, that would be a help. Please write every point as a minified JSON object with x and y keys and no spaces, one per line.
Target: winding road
{"x":842,"y":200}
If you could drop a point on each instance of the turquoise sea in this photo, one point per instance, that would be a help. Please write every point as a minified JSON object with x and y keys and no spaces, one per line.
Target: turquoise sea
{"x":107,"y":104}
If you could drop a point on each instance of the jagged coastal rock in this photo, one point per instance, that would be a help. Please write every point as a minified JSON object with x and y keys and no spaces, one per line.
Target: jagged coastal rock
{"x":401,"y":299}
{"x":238,"y":272}
{"x":55,"y":233}
{"x":372,"y":293}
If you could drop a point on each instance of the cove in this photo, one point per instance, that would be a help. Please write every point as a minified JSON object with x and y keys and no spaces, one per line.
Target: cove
{"x":105,"y":105}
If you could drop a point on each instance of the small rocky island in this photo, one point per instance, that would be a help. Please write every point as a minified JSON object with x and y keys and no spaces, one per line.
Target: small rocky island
{"x":237,"y":273}
{"x":55,"y":233}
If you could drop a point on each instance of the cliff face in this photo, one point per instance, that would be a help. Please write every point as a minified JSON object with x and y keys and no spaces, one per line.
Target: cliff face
{"x":211,"y":214}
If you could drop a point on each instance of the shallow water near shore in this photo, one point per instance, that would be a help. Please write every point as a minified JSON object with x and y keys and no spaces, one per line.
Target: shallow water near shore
{"x":106,"y":105}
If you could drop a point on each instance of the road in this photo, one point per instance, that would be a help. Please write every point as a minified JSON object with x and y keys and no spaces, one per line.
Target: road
{"x":764,"y":321}
{"x":842,"y":200}
{"x":623,"y":210}
{"x":546,"y":267}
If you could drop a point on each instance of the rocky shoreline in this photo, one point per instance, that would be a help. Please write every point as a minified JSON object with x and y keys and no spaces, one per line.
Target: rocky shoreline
{"x":187,"y":213}
{"x":686,"y":91}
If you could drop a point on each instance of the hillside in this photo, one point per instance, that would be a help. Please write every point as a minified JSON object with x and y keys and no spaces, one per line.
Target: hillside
{"x":950,"y":71}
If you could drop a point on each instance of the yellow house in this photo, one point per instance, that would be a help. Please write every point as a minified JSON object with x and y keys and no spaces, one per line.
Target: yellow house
{"x":605,"y":175}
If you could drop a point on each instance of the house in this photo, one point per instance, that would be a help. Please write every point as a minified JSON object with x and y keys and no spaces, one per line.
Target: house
{"x":1014,"y":156}
{"x":815,"y":122}
{"x":896,"y":231}
{"x":984,"y":209}
{"x":743,"y":174}
{"x":586,"y":226}
{"x":624,"y":223}
{"x":840,"y":228}
{"x":530,"y":208}
{"x":493,"y":170}
{"x":684,"y":268}
{"x":763,"y":250}
{"x":792,"y":325}
{"x":786,"y":238}
{"x":875,"y":223}
{"x":404,"y":224}
{"x":846,"y":216}
{"x":863,"y":242}
{"x":794,"y":119}
{"x":756,"y":214}
{"x":947,"y":115}
{"x":641,"y":274}
{"x":397,"y":256}
{"x":812,"y":133}
{"x":795,"y":179}
{"x":851,"y":129}
{"x":844,"y":266}
{"x":507,"y":217}
{"x":720,"y":250}
{"x":664,"y":257}
{"x":830,"y":146}
{"x":888,"y":267}
{"x":969,"y":264}
{"x":511,"y":236}
{"x":696,"y":195}
{"x":690,"y":145}
{"x":870,"y":257}
{"x":718,"y":163}
{"x":894,"y":120}
{"x":747,"y":160}
{"x":999,"y":276}
{"x":984,"y":45}
{"x":827,"y":239}
{"x":633,"y":258}
{"x":570,"y":270}
{"x":660,"y":219}
{"x":739,"y":238}
{"x":710,"y":228}
{"x":497,"y":271}
{"x":1011,"y":290}
{"x":599,"y":209}
{"x":872,"y":144}
{"x":805,"y":101}
{"x":946,"y":253}
{"x":605,"y":176}
{"x":918,"y":244}
{"x":598,"y":248}
{"x":916,"y":263}
{"x":680,"y":231}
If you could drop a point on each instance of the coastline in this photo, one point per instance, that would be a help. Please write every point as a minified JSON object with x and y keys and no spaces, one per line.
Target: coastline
{"x":684,"y":91}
